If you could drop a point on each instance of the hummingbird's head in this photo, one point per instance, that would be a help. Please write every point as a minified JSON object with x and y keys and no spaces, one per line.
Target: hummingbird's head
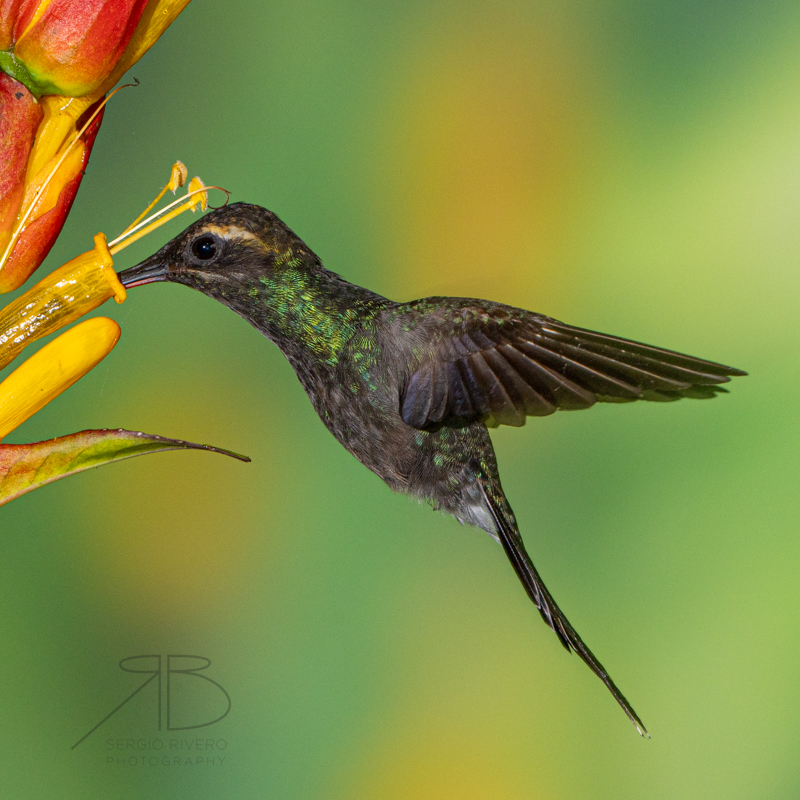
{"x":229,"y":249}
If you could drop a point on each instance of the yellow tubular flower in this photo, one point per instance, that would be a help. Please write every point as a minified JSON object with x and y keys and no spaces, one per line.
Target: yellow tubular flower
{"x":73,"y":290}
{"x":54,"y":368}
{"x":87,"y":281}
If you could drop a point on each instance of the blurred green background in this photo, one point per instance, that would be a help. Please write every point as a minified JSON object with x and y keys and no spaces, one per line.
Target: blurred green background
{"x":631,"y":167}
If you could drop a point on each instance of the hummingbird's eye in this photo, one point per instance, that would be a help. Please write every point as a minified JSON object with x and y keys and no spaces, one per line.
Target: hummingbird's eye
{"x":204,"y":248}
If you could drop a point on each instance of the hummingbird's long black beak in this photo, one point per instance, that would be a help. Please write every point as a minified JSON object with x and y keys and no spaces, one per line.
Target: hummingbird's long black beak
{"x":151,"y":270}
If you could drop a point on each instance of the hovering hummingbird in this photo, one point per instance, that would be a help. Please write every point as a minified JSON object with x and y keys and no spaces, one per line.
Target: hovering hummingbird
{"x":410,"y":388}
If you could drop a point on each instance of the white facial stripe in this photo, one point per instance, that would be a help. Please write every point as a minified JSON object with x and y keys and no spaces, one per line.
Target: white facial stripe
{"x":231,"y":233}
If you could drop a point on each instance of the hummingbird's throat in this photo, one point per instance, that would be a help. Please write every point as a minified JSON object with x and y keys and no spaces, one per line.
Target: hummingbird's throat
{"x":303,"y":311}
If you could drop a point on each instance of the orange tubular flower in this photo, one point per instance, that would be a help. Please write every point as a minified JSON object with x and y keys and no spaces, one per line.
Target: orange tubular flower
{"x":60,"y":57}
{"x":41,"y":210}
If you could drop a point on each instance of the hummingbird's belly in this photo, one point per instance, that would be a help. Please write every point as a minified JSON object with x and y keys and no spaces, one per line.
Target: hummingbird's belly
{"x":437,"y":465}
{"x":440,"y":465}
{"x":377,"y":437}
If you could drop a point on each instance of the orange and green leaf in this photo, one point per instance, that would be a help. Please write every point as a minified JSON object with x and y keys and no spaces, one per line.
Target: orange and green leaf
{"x":25,"y":467}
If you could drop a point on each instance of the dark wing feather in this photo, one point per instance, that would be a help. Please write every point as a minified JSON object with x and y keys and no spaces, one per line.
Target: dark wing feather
{"x":507,"y":364}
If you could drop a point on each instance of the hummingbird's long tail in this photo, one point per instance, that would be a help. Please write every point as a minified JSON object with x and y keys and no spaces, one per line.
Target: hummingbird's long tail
{"x":507,"y":532}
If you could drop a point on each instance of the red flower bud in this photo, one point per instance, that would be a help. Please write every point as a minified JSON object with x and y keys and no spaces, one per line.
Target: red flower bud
{"x":70,"y":46}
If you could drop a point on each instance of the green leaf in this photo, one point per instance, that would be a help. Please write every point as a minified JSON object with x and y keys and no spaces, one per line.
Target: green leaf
{"x":25,"y":467}
{"x":12,"y":66}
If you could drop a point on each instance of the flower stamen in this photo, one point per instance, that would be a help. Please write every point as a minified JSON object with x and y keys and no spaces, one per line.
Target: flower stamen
{"x":177,"y":178}
{"x":196,"y":197}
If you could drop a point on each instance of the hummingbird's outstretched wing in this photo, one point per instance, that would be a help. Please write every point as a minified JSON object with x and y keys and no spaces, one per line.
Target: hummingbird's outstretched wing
{"x":497,"y":363}
{"x":515,"y":550}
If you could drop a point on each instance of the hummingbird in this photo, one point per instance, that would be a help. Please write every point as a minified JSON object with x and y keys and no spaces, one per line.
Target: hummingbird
{"x":411,"y":388}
